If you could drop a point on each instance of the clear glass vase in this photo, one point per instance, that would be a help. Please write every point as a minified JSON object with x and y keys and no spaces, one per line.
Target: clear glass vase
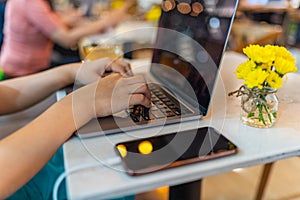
{"x":259,"y":107}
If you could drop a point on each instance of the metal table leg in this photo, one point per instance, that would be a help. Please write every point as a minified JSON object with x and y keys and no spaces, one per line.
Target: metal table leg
{"x":186,"y":191}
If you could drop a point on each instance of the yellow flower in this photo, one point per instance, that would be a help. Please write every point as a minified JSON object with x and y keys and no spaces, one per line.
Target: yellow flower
{"x":265,"y":69}
{"x":266,"y":66}
{"x":274,"y":80}
{"x":256,"y":78}
{"x":244,"y":69}
{"x":281,"y":52}
{"x":283,"y":66}
{"x":259,"y":54}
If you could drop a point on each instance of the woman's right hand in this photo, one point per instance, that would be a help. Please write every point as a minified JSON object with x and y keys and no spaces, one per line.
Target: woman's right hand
{"x":116,"y":93}
{"x":110,"y":95}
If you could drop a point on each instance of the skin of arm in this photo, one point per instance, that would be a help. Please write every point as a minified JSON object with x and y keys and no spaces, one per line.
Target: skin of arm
{"x":26,"y":151}
{"x":20,"y":93}
{"x":69,"y":37}
{"x":71,"y":16}
{"x":16,"y":95}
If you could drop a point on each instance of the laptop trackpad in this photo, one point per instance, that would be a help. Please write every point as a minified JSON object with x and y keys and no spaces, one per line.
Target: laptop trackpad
{"x":110,"y":124}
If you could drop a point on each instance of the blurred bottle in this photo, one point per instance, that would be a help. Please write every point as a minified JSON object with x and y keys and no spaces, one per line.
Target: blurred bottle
{"x":154,"y":13}
{"x":96,"y":51}
{"x":116,"y":4}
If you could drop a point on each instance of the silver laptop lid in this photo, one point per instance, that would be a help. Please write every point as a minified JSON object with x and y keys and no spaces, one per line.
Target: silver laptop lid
{"x":191,"y":39}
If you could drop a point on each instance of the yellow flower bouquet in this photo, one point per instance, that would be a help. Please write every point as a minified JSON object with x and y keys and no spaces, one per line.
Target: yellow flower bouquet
{"x":263,"y":74}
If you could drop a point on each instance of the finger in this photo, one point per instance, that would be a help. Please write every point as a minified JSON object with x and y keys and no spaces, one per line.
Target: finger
{"x":140,"y":88}
{"x":138,"y":84}
{"x":120,"y":67}
{"x":126,"y":65}
{"x":139,"y":99}
{"x":99,"y":65}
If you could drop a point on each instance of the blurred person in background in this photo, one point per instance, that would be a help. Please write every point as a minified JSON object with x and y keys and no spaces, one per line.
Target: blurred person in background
{"x":29,"y":34}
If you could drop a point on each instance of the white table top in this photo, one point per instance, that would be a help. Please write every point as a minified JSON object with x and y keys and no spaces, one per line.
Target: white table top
{"x":256,"y":146}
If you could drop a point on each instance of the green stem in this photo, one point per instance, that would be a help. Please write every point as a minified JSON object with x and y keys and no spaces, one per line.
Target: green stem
{"x":261,"y":117}
{"x":268,"y":113}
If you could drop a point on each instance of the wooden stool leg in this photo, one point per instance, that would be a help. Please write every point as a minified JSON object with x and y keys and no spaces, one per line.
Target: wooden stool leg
{"x":263,"y":181}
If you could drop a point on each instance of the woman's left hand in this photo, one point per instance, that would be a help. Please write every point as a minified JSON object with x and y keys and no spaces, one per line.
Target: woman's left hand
{"x":91,"y":71}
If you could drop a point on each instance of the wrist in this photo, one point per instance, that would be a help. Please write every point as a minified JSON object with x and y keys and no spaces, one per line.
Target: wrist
{"x":83,"y":104}
{"x":70,"y":72}
{"x":76,"y":104}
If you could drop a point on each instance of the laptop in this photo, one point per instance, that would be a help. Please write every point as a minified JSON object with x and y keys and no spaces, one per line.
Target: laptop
{"x":186,"y":58}
{"x":269,"y":3}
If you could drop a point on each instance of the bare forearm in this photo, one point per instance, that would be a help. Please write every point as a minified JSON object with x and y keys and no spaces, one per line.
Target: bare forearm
{"x":69,"y":37}
{"x":25,"y":152}
{"x":20,"y":93}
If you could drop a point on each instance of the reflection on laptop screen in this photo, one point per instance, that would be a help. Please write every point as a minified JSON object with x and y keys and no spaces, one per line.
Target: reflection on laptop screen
{"x":257,"y":2}
{"x":192,"y":46}
{"x":268,"y":3}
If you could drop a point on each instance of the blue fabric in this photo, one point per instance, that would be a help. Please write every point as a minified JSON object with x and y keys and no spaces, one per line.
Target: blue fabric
{"x":41,"y":185}
{"x":131,"y":197}
{"x":2,"y":10}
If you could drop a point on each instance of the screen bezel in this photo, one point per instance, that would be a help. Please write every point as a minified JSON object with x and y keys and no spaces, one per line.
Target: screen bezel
{"x":191,"y":100}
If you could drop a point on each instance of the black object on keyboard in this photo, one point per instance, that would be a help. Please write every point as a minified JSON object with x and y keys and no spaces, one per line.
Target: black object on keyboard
{"x":139,"y":113}
{"x":163,"y":105}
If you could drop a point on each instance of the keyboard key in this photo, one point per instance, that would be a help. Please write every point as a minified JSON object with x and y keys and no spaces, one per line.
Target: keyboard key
{"x":176,"y":111}
{"x":158,"y":114}
{"x":169,"y":113}
{"x":153,"y":107}
{"x":163,"y":105}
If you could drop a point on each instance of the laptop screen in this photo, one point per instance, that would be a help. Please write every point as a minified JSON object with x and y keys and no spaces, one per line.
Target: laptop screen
{"x":191,"y":39}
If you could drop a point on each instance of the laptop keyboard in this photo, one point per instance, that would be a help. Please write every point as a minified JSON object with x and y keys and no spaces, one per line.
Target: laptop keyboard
{"x":163,"y":105}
